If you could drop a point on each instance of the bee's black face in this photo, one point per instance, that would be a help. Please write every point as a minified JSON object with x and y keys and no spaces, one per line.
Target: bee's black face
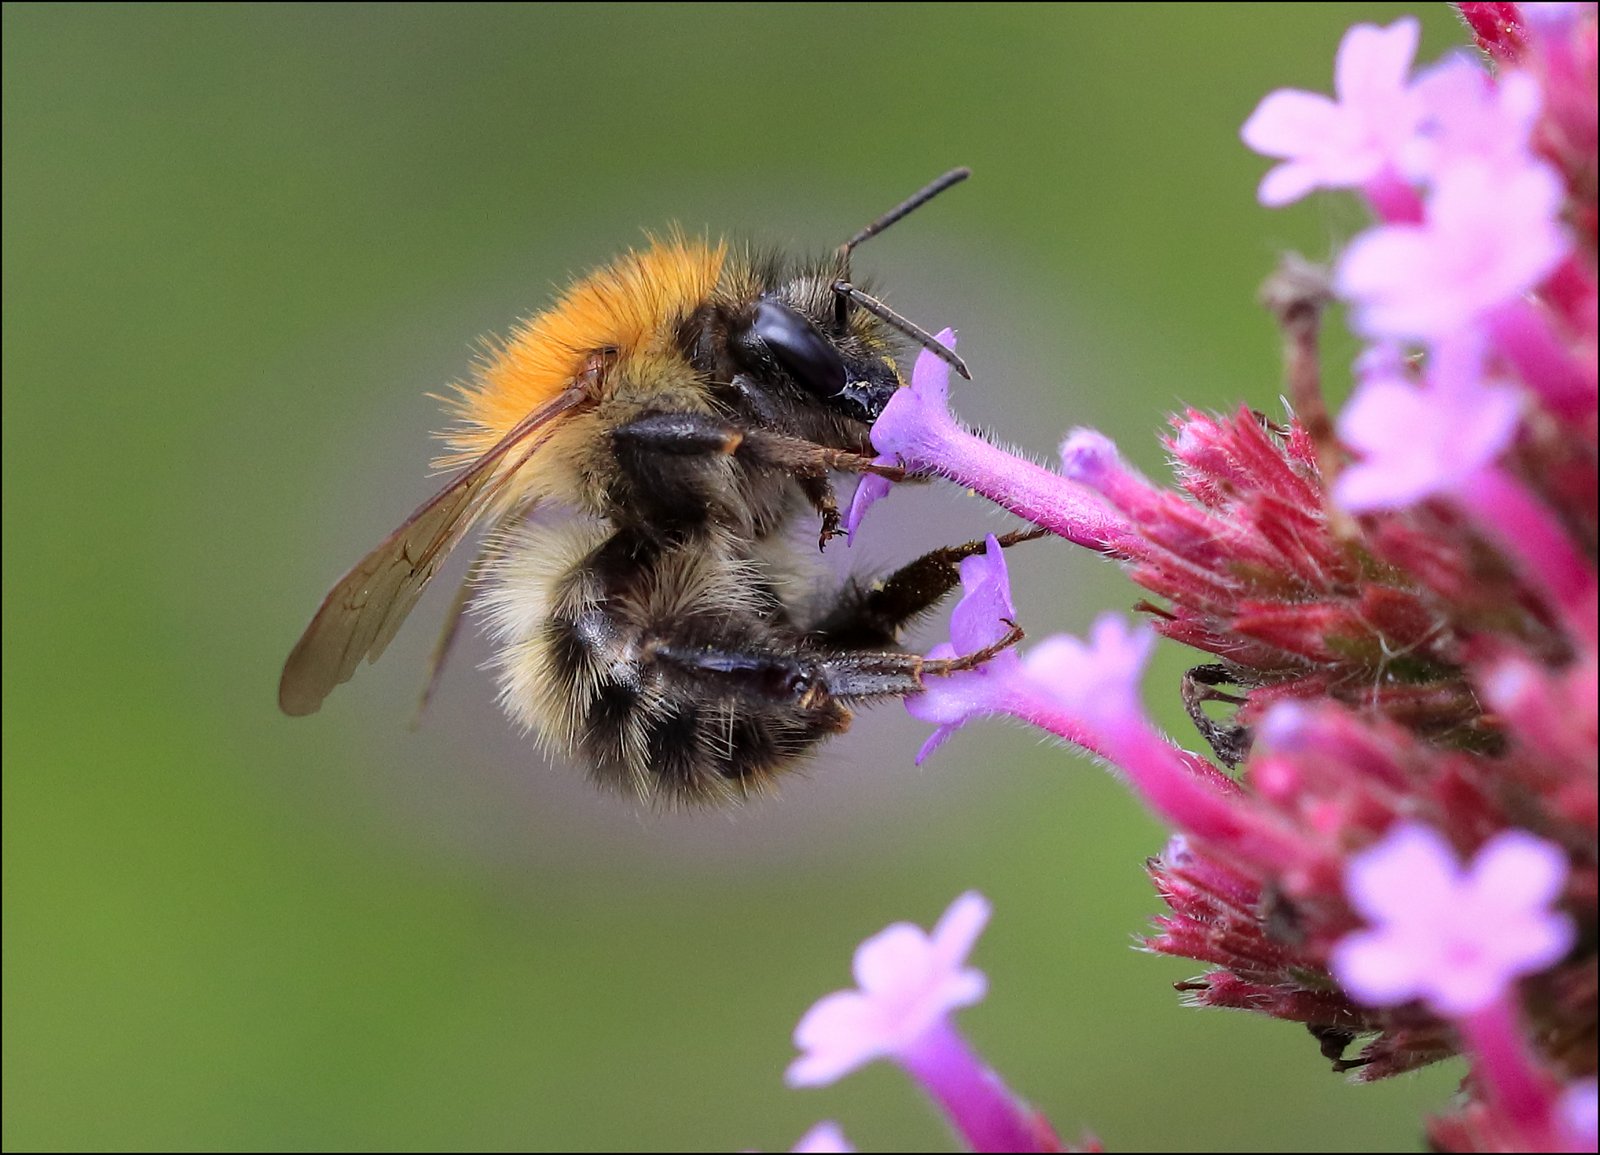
{"x":856,"y":386}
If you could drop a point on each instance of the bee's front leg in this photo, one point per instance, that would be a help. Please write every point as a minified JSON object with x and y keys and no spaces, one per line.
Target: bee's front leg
{"x":677,"y":467}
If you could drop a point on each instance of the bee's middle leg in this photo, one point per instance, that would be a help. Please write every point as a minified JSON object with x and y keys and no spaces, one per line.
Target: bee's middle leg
{"x":872,"y":616}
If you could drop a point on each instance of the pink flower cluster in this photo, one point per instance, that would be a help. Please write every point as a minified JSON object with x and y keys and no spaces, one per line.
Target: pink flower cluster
{"x":1394,"y":840}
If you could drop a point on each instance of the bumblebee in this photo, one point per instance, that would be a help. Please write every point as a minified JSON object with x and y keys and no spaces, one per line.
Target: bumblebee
{"x":677,"y":411}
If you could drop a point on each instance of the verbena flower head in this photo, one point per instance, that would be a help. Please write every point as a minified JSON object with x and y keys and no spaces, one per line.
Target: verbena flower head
{"x":1455,"y":938}
{"x":1397,"y":612}
{"x":1397,"y":608}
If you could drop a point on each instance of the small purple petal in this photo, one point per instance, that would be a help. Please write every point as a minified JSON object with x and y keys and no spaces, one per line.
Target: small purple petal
{"x":890,"y":957}
{"x":1579,"y":1112}
{"x":980,"y":617}
{"x":978,"y":620}
{"x":824,"y":1139}
{"x":938,"y":738}
{"x":1286,"y":119}
{"x":1469,"y":116}
{"x":870,"y":489}
{"x":1515,"y":869}
{"x":959,"y":928}
{"x":1376,"y":967}
{"x":1372,"y":62}
{"x":838,"y":1034}
{"x":1420,"y":855}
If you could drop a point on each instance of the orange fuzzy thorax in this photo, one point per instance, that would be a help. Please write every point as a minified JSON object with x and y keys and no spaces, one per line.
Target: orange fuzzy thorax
{"x":631,"y":305}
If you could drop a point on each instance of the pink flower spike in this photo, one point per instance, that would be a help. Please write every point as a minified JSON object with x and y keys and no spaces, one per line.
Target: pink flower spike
{"x":917,"y":428}
{"x":1489,"y":237}
{"x":908,"y":983}
{"x":1454,"y":938}
{"x":1343,"y":144}
{"x":1416,"y":443}
{"x":824,"y":1139}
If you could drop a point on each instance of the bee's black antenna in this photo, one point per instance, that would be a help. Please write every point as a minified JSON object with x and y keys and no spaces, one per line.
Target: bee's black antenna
{"x":954,"y":177}
{"x":846,"y":292}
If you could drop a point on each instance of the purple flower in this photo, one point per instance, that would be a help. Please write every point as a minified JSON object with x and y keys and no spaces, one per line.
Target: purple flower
{"x":1454,"y":938}
{"x":1348,"y":142}
{"x":824,"y":1139}
{"x":1087,"y":693}
{"x":1098,"y":679}
{"x":908,"y":983}
{"x":926,"y":397}
{"x":1442,"y":440}
{"x":916,"y":429}
{"x":1489,"y":236}
{"x":1468,"y":116}
{"x":978,"y":620}
{"x":1003,"y":684}
{"x":1416,"y":442}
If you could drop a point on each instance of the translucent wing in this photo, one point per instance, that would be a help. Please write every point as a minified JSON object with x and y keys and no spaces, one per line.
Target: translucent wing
{"x":362,"y":613}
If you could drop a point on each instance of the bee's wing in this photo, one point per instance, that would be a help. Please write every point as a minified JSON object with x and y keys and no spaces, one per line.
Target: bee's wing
{"x":362,"y":613}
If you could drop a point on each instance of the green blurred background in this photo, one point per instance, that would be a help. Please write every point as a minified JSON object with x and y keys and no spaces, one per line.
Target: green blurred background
{"x":240,"y":244}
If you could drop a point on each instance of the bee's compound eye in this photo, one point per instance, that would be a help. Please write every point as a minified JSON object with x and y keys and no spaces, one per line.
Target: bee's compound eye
{"x":803,"y":352}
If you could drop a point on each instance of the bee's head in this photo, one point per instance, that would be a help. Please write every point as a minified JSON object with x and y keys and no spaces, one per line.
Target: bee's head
{"x":834,"y":366}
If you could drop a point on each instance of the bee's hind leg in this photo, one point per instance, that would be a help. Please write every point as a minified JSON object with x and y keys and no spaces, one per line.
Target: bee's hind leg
{"x":815,"y":681}
{"x":872,"y":616}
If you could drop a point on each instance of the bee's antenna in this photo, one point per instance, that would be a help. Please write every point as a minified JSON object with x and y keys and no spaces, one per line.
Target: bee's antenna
{"x":848,"y":292}
{"x":954,"y":177}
